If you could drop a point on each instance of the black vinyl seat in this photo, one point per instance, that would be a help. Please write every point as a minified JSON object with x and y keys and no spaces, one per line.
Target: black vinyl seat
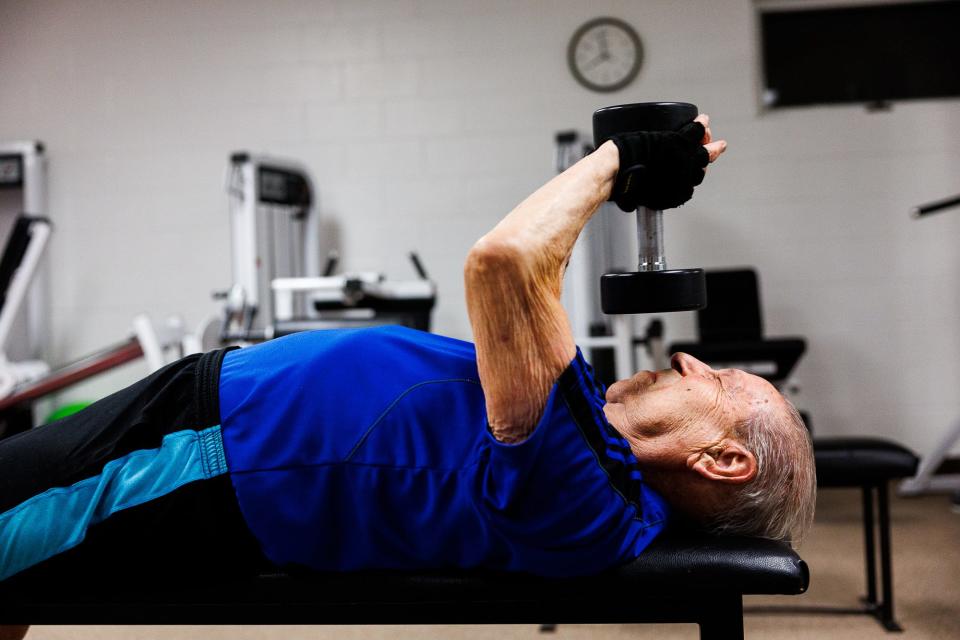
{"x":868,"y":464}
{"x":683,"y":577}
{"x":854,"y":462}
{"x":731,"y":334}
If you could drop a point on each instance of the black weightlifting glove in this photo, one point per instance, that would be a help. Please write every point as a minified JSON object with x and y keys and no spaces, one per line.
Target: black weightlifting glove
{"x":659,"y":169}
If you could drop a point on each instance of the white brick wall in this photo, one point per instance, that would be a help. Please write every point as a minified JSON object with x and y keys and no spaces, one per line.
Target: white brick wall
{"x":424,"y":121}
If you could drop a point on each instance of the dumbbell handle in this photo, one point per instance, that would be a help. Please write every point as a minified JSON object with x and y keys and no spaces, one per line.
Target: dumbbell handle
{"x":650,"y":240}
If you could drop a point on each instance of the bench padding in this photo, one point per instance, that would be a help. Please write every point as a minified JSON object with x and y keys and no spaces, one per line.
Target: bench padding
{"x":687,"y":577}
{"x":857,"y":461}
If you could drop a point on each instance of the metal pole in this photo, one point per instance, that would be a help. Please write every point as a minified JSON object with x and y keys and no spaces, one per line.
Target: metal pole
{"x":623,"y":346}
{"x":19,"y":288}
{"x":933,"y":207}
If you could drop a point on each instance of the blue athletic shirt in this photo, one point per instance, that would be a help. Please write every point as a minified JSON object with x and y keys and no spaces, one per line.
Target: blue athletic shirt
{"x":369,"y":449}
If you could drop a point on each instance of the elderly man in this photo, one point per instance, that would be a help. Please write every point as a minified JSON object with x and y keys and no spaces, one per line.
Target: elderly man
{"x":391,"y":448}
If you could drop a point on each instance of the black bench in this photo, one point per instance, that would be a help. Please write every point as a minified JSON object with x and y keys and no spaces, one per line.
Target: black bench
{"x":681,"y":578}
{"x":868,"y":464}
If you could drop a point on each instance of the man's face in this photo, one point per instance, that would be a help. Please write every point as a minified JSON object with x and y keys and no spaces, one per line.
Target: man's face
{"x":671,"y":414}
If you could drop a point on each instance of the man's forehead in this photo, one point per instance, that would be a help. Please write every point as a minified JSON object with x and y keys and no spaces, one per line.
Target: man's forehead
{"x":754,"y":384}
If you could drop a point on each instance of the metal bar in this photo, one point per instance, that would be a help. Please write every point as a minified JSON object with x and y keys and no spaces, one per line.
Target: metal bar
{"x":76,"y":372}
{"x":650,"y":240}
{"x":934,"y":207}
{"x":623,"y":347}
{"x":869,"y":538}
{"x":20,"y":283}
{"x":924,"y":479}
{"x":38,"y":298}
{"x":789,"y":610}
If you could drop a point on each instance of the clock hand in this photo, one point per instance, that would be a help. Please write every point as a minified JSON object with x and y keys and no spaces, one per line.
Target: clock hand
{"x":594,"y":62}
{"x":604,"y":45}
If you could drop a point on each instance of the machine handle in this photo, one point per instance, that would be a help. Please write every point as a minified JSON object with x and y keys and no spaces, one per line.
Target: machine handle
{"x":333,"y":259}
{"x":415,"y":259}
{"x":934,"y":207}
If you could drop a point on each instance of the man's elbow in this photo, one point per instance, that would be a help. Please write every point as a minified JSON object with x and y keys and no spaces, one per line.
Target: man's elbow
{"x":493,"y":258}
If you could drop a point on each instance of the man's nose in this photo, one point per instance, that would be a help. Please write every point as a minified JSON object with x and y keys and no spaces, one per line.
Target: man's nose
{"x":687,"y":364}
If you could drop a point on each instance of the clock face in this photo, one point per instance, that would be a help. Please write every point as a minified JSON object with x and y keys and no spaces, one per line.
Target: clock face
{"x":605,"y":54}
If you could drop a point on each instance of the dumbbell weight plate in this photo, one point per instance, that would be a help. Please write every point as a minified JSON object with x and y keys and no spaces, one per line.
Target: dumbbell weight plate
{"x":641,"y":116}
{"x":653,"y":291}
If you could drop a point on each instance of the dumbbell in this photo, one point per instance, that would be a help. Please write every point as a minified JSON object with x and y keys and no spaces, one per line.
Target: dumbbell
{"x":653,"y":288}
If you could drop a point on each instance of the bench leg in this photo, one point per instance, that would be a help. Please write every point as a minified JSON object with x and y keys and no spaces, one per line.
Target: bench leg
{"x":869,"y":538}
{"x":723,"y":620}
{"x":885,"y":610}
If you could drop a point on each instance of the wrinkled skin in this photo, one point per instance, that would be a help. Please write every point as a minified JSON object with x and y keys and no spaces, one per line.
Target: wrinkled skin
{"x":680,"y":423}
{"x":686,"y":408}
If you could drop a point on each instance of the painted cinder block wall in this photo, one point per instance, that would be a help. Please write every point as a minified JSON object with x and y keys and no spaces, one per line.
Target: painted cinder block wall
{"x":424,"y":121}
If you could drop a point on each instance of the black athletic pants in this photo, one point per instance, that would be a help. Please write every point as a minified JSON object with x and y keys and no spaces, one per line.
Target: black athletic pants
{"x":195,"y":533}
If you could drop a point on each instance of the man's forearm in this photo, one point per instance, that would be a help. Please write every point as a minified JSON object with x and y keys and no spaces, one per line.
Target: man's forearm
{"x":544,"y":227}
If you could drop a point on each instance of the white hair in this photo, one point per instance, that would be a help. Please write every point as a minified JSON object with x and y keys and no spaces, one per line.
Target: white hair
{"x":778,"y":503}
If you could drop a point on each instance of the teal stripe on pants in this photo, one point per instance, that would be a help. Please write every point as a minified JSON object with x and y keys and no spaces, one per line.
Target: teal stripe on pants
{"x":57,"y":519}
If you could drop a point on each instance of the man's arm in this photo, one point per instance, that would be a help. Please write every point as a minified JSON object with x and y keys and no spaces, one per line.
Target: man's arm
{"x":513,"y":278}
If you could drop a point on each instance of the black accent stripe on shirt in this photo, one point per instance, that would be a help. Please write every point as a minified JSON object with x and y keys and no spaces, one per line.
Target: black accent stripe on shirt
{"x":574,"y":391}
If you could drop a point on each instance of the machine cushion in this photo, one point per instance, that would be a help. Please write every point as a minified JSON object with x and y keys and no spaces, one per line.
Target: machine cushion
{"x":682,"y":568}
{"x":853,"y":462}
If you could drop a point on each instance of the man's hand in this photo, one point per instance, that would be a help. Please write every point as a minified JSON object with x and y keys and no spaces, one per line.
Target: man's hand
{"x":659,"y":169}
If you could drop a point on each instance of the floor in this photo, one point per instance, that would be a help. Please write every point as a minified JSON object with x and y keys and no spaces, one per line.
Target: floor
{"x":926,"y":544}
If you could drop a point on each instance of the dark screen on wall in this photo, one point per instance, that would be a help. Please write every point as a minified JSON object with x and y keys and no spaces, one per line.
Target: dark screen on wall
{"x":862,"y":54}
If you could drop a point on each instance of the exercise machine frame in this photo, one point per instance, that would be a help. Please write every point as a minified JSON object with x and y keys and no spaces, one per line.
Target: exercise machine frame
{"x":278,"y":287}
{"x":927,"y":480}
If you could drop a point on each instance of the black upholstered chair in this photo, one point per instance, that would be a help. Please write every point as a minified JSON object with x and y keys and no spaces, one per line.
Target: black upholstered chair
{"x":681,"y":578}
{"x":731,"y":334}
{"x":868,"y":464}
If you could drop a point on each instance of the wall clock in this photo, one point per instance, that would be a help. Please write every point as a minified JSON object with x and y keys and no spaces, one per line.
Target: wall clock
{"x":605,"y":54}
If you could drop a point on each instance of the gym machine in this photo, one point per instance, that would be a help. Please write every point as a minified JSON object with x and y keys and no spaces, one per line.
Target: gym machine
{"x":21,"y":259}
{"x":928,"y":479}
{"x":25,"y":378}
{"x":23,"y":301}
{"x":278,"y":287}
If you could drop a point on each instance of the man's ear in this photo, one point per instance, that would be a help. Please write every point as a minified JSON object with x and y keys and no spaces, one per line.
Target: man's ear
{"x":728,"y":462}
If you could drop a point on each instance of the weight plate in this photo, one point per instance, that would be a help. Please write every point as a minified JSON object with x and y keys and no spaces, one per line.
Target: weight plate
{"x":641,"y":116}
{"x":653,"y":291}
